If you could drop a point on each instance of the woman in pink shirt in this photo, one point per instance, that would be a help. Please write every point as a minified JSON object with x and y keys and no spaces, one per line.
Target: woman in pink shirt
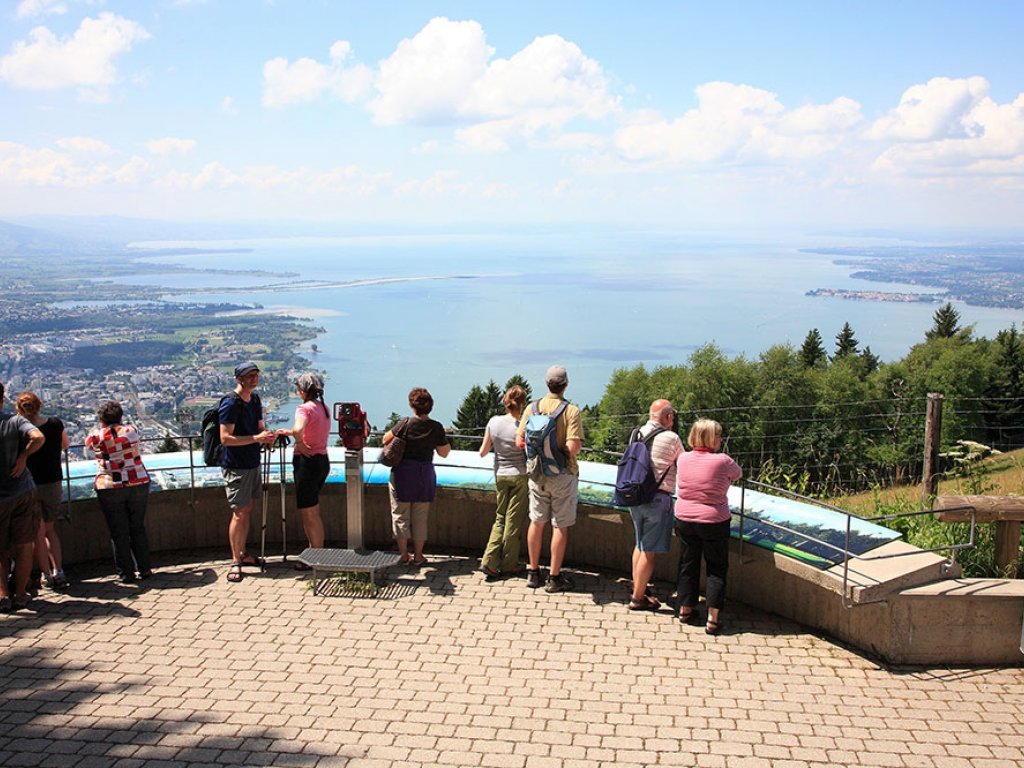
{"x":310,"y":465}
{"x":703,"y":477}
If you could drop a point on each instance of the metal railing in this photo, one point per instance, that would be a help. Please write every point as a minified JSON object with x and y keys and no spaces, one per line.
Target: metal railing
{"x":845,"y":549}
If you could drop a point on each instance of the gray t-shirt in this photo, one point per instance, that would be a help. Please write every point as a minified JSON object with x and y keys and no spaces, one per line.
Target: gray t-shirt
{"x":14,"y":431}
{"x":508,"y":459}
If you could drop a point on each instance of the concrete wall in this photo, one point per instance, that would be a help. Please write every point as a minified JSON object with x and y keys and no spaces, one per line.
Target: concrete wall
{"x":907,"y":611}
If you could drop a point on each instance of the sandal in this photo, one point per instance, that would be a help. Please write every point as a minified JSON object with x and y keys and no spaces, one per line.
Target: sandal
{"x":248,"y":559}
{"x":645,"y":603}
{"x":688,"y":616}
{"x":713,"y":627}
{"x":235,"y":573}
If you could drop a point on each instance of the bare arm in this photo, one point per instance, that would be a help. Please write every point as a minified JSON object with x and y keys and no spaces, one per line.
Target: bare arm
{"x":573,"y":447}
{"x":228,"y":437}
{"x":485,"y":446}
{"x":388,"y":437}
{"x":35,"y":442}
{"x":443,"y":450}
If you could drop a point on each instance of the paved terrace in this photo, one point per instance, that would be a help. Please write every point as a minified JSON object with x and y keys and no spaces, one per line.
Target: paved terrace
{"x":443,"y":669}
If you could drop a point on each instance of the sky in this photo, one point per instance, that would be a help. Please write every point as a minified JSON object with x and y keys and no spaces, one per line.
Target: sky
{"x":727,"y":115}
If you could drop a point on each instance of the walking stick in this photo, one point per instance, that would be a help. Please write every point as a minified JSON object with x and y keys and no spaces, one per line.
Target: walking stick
{"x":282,"y":442}
{"x":265,"y":477}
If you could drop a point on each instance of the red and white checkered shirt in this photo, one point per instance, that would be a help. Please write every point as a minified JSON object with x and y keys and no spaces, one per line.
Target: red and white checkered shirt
{"x":117,"y":454}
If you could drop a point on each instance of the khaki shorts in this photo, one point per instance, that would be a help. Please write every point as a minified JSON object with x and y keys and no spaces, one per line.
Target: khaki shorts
{"x":553,"y":500}
{"x":48,"y":496}
{"x":408,"y":518}
{"x":242,"y":486}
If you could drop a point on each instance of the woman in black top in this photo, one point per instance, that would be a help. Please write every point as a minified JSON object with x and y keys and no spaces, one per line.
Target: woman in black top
{"x":413,"y":483}
{"x":45,"y":466}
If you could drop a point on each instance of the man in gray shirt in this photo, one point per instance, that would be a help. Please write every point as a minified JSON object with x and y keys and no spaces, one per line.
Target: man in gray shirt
{"x":19,"y":439}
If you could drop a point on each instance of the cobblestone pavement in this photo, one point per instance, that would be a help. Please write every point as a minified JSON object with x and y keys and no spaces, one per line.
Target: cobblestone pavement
{"x":443,"y":669}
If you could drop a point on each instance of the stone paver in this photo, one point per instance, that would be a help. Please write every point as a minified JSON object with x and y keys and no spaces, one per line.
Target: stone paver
{"x":443,"y":669}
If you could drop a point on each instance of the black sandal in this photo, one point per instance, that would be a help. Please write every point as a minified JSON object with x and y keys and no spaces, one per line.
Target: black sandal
{"x":712,"y":627}
{"x":645,"y":603}
{"x":248,"y":559}
{"x":235,"y":574}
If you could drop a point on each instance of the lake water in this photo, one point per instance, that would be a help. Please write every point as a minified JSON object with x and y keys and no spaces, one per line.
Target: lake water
{"x":447,"y":312}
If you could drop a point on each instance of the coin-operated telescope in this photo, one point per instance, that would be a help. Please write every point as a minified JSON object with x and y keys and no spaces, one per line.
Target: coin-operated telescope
{"x":352,"y":425}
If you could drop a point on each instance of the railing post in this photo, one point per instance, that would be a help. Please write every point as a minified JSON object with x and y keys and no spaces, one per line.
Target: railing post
{"x":932,"y":440}
{"x":354,"y":498}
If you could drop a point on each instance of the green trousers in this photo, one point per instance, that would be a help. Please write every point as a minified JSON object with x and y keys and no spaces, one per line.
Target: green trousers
{"x":502,"y":552}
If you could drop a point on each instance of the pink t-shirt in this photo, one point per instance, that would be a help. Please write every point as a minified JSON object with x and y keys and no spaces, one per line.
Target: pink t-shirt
{"x":318,"y":426}
{"x":702,"y":482}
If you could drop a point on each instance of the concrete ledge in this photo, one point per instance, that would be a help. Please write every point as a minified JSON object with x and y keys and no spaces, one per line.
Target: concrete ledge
{"x":908,"y":611}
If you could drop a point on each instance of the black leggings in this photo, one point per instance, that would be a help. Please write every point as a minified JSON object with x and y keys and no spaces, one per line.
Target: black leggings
{"x":310,"y":475}
{"x":710,"y":540}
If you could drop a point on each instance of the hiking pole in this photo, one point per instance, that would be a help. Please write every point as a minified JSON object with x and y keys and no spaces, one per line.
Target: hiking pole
{"x":282,"y":442}
{"x":265,"y":477}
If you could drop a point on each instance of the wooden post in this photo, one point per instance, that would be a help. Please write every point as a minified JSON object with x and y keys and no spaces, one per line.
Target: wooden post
{"x":1005,"y":512}
{"x":932,"y":438}
{"x":1007,"y":547}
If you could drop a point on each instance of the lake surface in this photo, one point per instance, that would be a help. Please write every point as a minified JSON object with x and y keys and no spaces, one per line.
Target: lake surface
{"x":447,"y":312}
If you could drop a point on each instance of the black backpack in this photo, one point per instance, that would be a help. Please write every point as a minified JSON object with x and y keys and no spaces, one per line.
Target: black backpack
{"x":213,"y":449}
{"x":635,"y":482}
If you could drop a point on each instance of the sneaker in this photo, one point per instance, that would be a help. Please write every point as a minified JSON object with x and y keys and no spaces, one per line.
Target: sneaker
{"x":559,"y":583}
{"x":534,"y":579}
{"x":490,"y":574}
{"x":48,"y":581}
{"x":60,"y":582}
{"x":21,"y":601}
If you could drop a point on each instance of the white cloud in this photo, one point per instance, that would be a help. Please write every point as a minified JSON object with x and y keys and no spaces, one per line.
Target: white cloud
{"x":445,"y":74}
{"x":84,"y":145}
{"x":735,"y":124}
{"x":28,"y":9}
{"x":427,"y":79}
{"x":85,"y":60}
{"x":170,"y":146}
{"x":306,"y":79}
{"x":227,"y":107}
{"x":993,"y":145}
{"x":938,"y":109}
{"x":26,"y":166}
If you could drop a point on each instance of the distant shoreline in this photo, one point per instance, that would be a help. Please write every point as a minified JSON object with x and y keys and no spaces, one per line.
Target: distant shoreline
{"x":851,"y":295}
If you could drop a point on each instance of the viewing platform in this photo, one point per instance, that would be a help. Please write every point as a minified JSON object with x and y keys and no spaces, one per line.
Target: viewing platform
{"x":787,"y":557}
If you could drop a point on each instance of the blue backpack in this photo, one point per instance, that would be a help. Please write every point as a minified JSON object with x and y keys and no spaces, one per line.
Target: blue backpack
{"x":635,"y":482}
{"x":543,"y":456}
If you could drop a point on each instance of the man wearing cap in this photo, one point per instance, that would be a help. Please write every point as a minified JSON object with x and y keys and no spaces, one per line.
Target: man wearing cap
{"x":242,"y":434}
{"x":553,"y":497}
{"x":19,"y":439}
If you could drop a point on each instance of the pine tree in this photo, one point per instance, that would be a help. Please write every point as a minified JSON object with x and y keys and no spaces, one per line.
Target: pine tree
{"x":473,"y":415}
{"x":945,"y":323}
{"x":493,"y":395}
{"x":871,"y":360}
{"x":846,"y":342}
{"x":522,"y":382}
{"x":812,"y":353}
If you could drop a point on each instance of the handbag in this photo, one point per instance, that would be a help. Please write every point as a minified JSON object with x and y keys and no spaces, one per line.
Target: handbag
{"x":392,"y":453}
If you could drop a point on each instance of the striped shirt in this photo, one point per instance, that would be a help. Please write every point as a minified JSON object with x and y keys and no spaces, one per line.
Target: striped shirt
{"x":665,"y":451}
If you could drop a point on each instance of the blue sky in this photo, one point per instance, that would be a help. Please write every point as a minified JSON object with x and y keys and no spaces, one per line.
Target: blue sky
{"x":672,"y":114}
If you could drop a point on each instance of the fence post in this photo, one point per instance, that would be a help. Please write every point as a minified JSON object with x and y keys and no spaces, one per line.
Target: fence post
{"x":932,"y":438}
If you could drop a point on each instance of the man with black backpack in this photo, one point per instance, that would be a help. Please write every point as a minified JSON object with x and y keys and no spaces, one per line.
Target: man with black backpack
{"x":242,"y":434}
{"x":552,"y":433}
{"x":650,"y":501}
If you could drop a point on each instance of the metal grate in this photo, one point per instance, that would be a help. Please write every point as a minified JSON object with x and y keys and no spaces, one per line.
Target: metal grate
{"x":324,"y":562}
